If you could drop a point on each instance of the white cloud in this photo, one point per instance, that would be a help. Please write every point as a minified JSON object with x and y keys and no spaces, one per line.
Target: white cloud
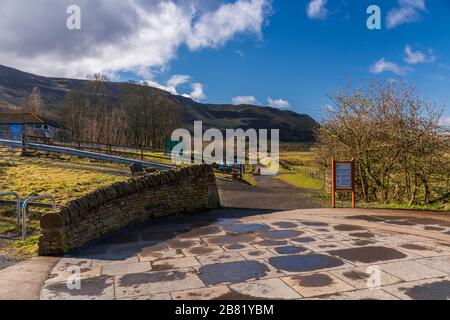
{"x":316,"y":9}
{"x":240,"y":53}
{"x":415,"y":57}
{"x":279,"y":104}
{"x":118,"y":35}
{"x":240,"y":100}
{"x":177,"y":80}
{"x":407,"y":11}
{"x":197,"y":93}
{"x":328,"y":108}
{"x":215,"y":28}
{"x":383,"y":65}
{"x":445,"y":122}
{"x":172,"y":83}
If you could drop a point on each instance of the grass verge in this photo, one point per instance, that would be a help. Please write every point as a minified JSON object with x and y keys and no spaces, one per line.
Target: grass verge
{"x":65,"y":178}
{"x":301,"y":180}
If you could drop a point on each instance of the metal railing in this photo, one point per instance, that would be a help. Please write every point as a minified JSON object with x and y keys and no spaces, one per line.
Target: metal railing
{"x":84,"y":154}
{"x":25,"y":208}
{"x":16,"y":195}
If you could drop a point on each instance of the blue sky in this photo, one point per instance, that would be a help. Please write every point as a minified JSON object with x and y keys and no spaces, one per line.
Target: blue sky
{"x":287,"y":54}
{"x":301,"y":59}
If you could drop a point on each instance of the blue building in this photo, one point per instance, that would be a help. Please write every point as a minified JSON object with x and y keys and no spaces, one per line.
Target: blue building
{"x":14,"y":124}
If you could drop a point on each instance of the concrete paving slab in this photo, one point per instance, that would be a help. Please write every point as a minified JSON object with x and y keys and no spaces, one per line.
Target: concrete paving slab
{"x":205,"y":231}
{"x":273,"y":289}
{"x":411,"y":270}
{"x":284,"y":225}
{"x":103,"y":262}
{"x":238,"y":247}
{"x":236,"y":272}
{"x":210,"y":293}
{"x":99,"y":288}
{"x":172,"y":264}
{"x":322,"y":231}
{"x":263,"y":244}
{"x":360,"y":277}
{"x":139,"y":284}
{"x":257,"y":254}
{"x":149,"y":256}
{"x":367,"y":294}
{"x":125,"y":268}
{"x":317,"y":284}
{"x":19,"y":275}
{"x":400,"y":239}
{"x":63,"y":275}
{"x":289,"y":250}
{"x":306,"y":239}
{"x":280,"y":234}
{"x":360,"y":243}
{"x":431,"y":289}
{"x":246,"y":228}
{"x":334,"y":237}
{"x":156,"y":296}
{"x":326,"y":246}
{"x":183,"y":244}
{"x":220,"y":258}
{"x":202,"y":250}
{"x":230,"y":239}
{"x":390,"y":240}
{"x":370,"y":255}
{"x":200,"y":260}
{"x":364,"y":235}
{"x":438,"y":263}
{"x":24,"y":280}
{"x":307,"y":263}
{"x":65,"y":263}
{"x":423,"y":249}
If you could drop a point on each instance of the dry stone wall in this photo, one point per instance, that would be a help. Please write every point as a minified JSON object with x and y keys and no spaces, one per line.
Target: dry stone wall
{"x":124,"y":204}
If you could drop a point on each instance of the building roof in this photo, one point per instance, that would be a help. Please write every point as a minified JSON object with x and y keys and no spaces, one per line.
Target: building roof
{"x":11,"y":118}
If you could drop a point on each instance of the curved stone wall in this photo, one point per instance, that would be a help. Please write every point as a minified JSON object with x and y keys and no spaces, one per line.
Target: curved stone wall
{"x":124,"y":204}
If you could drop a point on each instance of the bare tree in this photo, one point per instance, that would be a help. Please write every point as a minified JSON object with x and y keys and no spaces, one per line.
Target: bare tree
{"x":140,"y":117}
{"x":34,"y":103}
{"x":395,"y":137}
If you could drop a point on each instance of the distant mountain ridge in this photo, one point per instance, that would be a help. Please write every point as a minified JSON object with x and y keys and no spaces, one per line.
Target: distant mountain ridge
{"x":16,"y":86}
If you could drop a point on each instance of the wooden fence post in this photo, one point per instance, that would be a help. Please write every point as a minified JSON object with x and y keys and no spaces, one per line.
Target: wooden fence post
{"x":24,"y":145}
{"x":353,"y":185}
{"x":333,"y":183}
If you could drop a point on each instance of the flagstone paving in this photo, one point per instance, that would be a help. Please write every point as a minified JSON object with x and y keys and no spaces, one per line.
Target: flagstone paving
{"x":248,"y":254}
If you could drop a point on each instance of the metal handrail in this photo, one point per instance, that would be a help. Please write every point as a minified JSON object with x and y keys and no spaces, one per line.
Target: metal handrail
{"x":15,"y":194}
{"x":85,"y":154}
{"x":24,"y":210}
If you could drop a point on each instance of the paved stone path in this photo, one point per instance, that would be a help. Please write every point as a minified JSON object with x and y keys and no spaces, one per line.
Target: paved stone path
{"x":270,"y":194}
{"x":259,"y":251}
{"x":23,"y":281}
{"x":255,"y":254}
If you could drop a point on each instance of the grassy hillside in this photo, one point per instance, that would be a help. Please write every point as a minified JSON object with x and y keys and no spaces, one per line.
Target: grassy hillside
{"x":15,"y":86}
